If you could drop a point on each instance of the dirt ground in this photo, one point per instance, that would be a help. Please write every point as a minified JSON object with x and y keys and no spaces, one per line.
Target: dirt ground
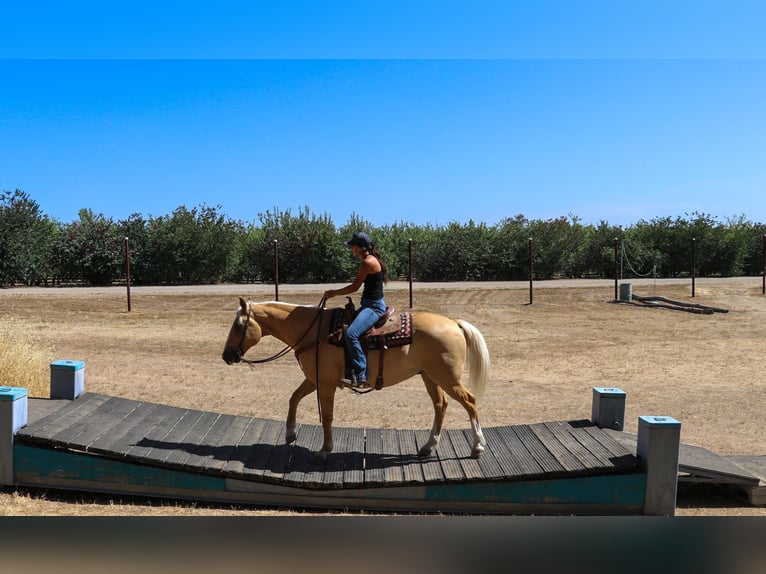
{"x":707,"y":371}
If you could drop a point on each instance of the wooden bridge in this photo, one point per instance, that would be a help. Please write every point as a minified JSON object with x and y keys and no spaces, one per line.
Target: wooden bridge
{"x":97,"y":443}
{"x":109,"y":444}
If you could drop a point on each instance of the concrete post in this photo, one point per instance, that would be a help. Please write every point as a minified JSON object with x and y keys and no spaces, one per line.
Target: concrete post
{"x":13,"y":416}
{"x":659,"y":441}
{"x":67,"y":379}
{"x":608,"y":409}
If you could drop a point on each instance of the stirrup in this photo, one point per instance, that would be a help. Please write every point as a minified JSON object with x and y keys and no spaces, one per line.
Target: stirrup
{"x":354,"y":383}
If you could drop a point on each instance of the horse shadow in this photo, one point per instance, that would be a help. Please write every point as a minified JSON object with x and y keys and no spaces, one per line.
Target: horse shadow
{"x":269,"y":458}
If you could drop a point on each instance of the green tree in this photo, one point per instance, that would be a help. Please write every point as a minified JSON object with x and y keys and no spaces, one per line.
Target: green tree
{"x":26,"y":235}
{"x":191,"y":246}
{"x":89,"y":249}
{"x":309,"y":248}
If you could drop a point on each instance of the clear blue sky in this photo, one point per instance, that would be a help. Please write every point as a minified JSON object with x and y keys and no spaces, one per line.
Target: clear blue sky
{"x":418,"y":111}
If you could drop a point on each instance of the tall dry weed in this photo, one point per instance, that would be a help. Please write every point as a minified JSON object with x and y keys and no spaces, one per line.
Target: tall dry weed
{"x":23,"y":361}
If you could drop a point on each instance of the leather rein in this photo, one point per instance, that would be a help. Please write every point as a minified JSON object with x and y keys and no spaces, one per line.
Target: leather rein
{"x":287,"y":348}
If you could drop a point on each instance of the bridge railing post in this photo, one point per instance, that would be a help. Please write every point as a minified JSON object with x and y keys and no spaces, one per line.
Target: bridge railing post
{"x":67,"y":379}
{"x":608,"y":409}
{"x":659,"y":441}
{"x":13,"y":416}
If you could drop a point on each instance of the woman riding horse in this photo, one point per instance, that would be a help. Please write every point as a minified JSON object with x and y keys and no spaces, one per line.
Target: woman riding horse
{"x":440,"y":350}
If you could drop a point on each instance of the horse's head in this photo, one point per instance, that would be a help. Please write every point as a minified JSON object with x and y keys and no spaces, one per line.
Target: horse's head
{"x":245,"y":332}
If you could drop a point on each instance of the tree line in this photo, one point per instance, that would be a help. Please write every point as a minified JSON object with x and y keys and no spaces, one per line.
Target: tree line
{"x":202,"y":245}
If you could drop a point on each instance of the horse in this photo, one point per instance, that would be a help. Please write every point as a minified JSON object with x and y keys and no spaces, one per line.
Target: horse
{"x":440,"y":350}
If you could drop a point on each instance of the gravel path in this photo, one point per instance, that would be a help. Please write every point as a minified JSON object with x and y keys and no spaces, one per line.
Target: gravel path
{"x":252,"y":289}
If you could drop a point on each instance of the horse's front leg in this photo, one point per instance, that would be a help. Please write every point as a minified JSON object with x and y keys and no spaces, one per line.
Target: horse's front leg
{"x":440,"y":407}
{"x":327,"y":404}
{"x":305,"y":388}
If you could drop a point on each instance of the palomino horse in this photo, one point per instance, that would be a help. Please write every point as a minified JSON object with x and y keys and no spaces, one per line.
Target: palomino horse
{"x":438,"y":353}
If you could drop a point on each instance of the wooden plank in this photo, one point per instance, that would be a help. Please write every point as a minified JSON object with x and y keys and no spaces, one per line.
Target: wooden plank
{"x":258,"y":465}
{"x":302,"y":470}
{"x":431,"y":465}
{"x":578,"y":430}
{"x":207,"y":449}
{"x":449,"y":460}
{"x":117,"y":441}
{"x":52,"y":426}
{"x":173,"y":429}
{"x":700,"y":461}
{"x":489,"y":466}
{"x":412,"y":467}
{"x":462,"y":447}
{"x":155,"y":444}
{"x":393,"y":473}
{"x":339,"y":459}
{"x":227,"y":444}
{"x":278,"y":461}
{"x":137,"y":424}
{"x":563,"y":434}
{"x":373,"y":458}
{"x":245,"y":448}
{"x":353,"y":470}
{"x":65,"y":409}
{"x":519,"y":453}
{"x":537,"y":449}
{"x":194,"y":435}
{"x":562,"y":454}
{"x":510,"y":465}
{"x":608,"y":438}
{"x":39,"y":408}
{"x":110,"y":416}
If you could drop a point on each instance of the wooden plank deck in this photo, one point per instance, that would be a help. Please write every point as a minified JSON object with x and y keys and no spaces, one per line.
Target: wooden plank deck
{"x":254,"y":449}
{"x":123,"y":446}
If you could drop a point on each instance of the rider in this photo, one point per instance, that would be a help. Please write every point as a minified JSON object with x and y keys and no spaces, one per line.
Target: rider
{"x":373,"y":274}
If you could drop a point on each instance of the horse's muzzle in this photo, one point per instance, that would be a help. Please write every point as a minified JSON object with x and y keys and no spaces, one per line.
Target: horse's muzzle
{"x":231,"y":356}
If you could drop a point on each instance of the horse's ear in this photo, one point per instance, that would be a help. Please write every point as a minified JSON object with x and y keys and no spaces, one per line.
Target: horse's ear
{"x":243,"y":305}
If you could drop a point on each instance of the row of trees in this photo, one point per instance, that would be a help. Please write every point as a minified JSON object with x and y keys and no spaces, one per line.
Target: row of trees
{"x":202,"y":245}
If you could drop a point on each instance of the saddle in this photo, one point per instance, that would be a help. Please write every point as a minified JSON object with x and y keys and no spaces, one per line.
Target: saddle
{"x":389,"y":331}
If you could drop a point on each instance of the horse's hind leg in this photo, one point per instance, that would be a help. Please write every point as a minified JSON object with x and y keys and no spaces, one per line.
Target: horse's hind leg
{"x":440,"y":408}
{"x":305,"y":388}
{"x":465,"y":398}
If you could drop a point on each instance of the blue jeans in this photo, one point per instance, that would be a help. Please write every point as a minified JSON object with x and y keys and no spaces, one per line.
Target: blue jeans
{"x":368,"y":315}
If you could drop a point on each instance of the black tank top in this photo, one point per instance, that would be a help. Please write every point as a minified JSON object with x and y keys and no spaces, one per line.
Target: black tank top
{"x":373,"y":286}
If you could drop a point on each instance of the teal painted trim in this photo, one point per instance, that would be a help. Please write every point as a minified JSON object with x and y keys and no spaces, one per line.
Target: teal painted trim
{"x":609,"y":392}
{"x":66,"y":364}
{"x":41,"y":462}
{"x":12,"y":393}
{"x":615,"y":489}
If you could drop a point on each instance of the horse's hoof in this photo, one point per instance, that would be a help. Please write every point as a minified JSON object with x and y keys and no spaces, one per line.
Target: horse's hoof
{"x":290,"y":437}
{"x":425,"y":451}
{"x":477,"y":450}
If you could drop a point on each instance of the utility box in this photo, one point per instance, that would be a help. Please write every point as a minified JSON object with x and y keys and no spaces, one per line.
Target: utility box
{"x":608,"y":409}
{"x":626,"y":292}
{"x":13,"y":416}
{"x":659,"y":443}
{"x":67,"y":379}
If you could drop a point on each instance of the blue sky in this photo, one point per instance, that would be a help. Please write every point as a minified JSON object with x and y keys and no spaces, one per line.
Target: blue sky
{"x":424,"y":112}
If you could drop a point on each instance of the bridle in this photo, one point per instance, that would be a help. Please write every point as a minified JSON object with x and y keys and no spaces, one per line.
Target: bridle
{"x":287,"y":348}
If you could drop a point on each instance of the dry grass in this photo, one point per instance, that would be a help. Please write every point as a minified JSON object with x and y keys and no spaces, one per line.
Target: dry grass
{"x":24,"y":359}
{"x":705,"y":370}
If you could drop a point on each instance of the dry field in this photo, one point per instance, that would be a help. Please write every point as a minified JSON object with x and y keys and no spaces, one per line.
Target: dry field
{"x":708,"y":371}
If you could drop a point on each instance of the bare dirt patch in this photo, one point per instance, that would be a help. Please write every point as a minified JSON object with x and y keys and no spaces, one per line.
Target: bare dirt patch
{"x":705,"y":370}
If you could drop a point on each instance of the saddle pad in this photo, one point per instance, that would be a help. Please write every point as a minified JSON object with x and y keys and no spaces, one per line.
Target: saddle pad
{"x":389,"y":338}
{"x":386,"y":337}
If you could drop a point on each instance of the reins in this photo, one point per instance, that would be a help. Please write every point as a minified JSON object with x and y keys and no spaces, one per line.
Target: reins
{"x":287,"y":348}
{"x":317,"y":319}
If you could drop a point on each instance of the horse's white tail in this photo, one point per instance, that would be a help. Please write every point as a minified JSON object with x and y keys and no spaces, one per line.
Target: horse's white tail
{"x":478,"y":358}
